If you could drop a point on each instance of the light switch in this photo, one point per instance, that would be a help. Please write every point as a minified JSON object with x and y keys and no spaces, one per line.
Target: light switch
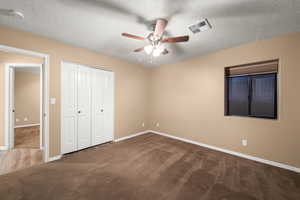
{"x":52,"y":100}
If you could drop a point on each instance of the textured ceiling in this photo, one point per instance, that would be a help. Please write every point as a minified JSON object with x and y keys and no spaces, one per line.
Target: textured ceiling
{"x":98,"y":24}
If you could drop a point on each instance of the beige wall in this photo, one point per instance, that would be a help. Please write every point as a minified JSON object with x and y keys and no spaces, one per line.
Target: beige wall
{"x":187,"y":99}
{"x":6,"y":58}
{"x":131,"y":82}
{"x":27,"y":98}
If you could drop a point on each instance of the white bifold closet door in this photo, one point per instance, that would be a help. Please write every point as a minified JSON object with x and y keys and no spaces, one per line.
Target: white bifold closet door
{"x":87,"y":107}
{"x":102,"y":106}
{"x":83,"y":107}
{"x":69,"y":108}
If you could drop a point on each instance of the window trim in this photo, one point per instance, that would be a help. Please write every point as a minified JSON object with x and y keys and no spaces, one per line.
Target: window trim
{"x":226,"y":99}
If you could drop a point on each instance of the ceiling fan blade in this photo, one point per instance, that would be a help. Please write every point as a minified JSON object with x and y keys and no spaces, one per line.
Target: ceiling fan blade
{"x":176,"y":39}
{"x":160,"y":27}
{"x":132,"y":36}
{"x":139,"y":49}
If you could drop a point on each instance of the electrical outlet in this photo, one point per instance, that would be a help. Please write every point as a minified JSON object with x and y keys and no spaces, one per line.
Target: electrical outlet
{"x":157,"y":124}
{"x":17,"y":119}
{"x":25,"y":119}
{"x":143,"y":124}
{"x":244,"y":142}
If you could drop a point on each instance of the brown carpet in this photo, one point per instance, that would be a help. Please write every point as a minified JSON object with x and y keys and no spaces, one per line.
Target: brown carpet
{"x":27,"y":137}
{"x":151,"y":167}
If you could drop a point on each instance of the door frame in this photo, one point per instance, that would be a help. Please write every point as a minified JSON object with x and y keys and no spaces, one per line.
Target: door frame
{"x":45,"y":100}
{"x":10,"y":96}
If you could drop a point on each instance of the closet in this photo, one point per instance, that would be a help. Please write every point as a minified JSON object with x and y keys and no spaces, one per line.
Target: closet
{"x":86,"y":107}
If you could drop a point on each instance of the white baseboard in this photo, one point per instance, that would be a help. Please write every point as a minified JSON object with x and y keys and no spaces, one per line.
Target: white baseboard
{"x":54,"y":158}
{"x":3,"y":148}
{"x":268,"y":162}
{"x":26,"y":125}
{"x":130,"y":136}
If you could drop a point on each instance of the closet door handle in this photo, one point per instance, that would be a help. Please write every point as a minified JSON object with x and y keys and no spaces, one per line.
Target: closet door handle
{"x":79,"y":111}
{"x":102,"y":110}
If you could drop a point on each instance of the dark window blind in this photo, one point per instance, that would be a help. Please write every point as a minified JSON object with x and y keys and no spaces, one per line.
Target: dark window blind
{"x":238,"y":96}
{"x":251,"y":90}
{"x":263,"y":101}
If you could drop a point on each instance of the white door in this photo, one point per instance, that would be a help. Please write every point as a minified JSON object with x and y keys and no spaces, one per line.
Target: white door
{"x":108,"y":106}
{"x":69,"y":107}
{"x":101,"y":107}
{"x":87,"y":107}
{"x":84,"y":107}
{"x":98,"y":79}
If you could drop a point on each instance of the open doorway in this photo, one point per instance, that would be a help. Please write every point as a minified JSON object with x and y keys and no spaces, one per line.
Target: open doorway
{"x":26,"y":104}
{"x":24,"y":116}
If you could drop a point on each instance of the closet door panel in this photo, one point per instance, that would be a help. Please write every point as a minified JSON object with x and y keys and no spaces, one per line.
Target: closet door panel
{"x":108,"y":106}
{"x":84,"y":107}
{"x":102,"y":106}
{"x":69,"y":108}
{"x":97,"y":107}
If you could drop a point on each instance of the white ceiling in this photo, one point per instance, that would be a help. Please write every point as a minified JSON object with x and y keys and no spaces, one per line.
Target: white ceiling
{"x":98,"y":24}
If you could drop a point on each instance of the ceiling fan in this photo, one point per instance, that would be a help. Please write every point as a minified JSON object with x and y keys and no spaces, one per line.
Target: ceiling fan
{"x":156,"y":39}
{"x":11,"y":13}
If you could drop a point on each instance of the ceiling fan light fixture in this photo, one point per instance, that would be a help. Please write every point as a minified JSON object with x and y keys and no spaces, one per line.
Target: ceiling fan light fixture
{"x":156,"y":39}
{"x":156,"y":53}
{"x":148,"y":49}
{"x":158,"y":50}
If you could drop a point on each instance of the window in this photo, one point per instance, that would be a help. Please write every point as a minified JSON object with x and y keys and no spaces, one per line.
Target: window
{"x":251,"y":90}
